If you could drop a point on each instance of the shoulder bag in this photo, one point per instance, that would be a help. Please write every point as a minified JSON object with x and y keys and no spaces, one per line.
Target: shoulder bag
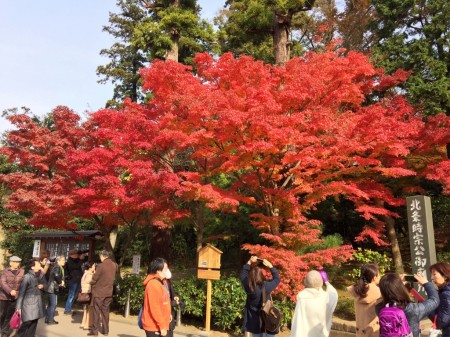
{"x":270,"y":316}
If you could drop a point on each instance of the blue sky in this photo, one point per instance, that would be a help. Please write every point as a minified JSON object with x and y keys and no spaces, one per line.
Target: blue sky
{"x":50,"y":53}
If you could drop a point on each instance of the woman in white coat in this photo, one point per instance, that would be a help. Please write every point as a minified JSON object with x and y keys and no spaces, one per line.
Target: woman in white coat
{"x":315,"y":307}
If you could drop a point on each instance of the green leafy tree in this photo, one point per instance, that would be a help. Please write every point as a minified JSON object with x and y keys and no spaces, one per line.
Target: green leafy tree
{"x":173,"y":30}
{"x":269,"y":30}
{"x":13,"y":223}
{"x":415,"y":36}
{"x":125,"y":58}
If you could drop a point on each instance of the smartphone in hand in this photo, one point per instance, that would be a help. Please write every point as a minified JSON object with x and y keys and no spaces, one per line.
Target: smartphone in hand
{"x":410,"y":278}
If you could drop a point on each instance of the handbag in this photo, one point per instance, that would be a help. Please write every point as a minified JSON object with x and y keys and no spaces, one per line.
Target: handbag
{"x":15,"y":321}
{"x":270,"y":315}
{"x":433,"y":331}
{"x":83,"y":297}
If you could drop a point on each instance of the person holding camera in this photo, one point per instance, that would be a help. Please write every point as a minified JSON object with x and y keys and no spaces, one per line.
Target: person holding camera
{"x":315,"y":306}
{"x":254,"y":283}
{"x":46,"y":262}
{"x":366,"y":295}
{"x":440,"y":275}
{"x":73,"y":275}
{"x":55,"y":281}
{"x":395,"y":294}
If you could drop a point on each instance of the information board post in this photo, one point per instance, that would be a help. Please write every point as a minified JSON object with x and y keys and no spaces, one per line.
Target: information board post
{"x":421,"y":236}
{"x":135,"y":270}
{"x":209,"y":269}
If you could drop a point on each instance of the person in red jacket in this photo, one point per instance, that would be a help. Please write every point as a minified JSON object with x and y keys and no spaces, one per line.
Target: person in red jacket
{"x":156,"y":315}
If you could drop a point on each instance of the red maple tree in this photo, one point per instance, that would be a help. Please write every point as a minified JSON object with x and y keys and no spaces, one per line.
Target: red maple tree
{"x":92,"y":170}
{"x":292,"y":136}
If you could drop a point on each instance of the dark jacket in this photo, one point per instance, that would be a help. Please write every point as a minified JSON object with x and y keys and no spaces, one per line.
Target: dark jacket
{"x":415,"y":312}
{"x":443,"y":311}
{"x":254,"y":299}
{"x":9,"y":281}
{"x":103,"y":279}
{"x":73,"y":270}
{"x":30,"y":297}
{"x":173,"y":303}
{"x":55,"y":279}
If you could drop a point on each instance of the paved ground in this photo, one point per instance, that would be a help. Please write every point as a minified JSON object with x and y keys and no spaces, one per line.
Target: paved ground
{"x":69,"y":326}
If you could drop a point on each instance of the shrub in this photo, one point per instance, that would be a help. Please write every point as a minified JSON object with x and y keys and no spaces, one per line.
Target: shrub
{"x":193,"y":292}
{"x":227,"y":300}
{"x":345,"y":309}
{"x":134,"y":284}
{"x":362,"y":257}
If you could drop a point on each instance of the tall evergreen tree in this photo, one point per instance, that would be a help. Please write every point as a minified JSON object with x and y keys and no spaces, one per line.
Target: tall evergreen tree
{"x":268,"y":30}
{"x":125,"y":58}
{"x":173,"y":30}
{"x":415,"y":36}
{"x":145,"y":30}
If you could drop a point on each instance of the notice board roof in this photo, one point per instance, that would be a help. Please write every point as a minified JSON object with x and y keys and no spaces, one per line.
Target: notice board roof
{"x":65,"y":234}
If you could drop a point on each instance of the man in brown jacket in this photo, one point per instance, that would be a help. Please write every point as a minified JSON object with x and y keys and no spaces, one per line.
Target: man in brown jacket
{"x":102,"y":291}
{"x":9,"y":282}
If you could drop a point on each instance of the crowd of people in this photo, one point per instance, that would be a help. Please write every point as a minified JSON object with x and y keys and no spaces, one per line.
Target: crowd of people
{"x":384,"y":305}
{"x":23,"y":291}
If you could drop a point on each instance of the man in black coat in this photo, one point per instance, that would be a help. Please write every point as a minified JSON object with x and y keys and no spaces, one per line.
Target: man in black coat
{"x":55,"y":281}
{"x":73,"y":275}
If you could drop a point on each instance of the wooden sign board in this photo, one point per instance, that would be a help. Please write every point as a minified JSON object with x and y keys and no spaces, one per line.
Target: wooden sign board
{"x":208,"y":274}
{"x":209,"y":257}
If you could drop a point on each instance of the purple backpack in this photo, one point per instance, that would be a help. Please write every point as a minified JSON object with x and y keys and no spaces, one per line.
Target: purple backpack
{"x":393,"y":322}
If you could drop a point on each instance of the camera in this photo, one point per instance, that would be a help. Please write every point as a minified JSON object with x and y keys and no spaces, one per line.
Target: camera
{"x":410,"y":278}
{"x":259,"y":260}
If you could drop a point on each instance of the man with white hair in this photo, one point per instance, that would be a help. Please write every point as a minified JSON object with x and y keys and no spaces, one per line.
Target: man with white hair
{"x":315,"y":307}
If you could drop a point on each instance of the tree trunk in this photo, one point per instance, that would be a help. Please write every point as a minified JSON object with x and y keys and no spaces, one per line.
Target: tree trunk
{"x":160,"y":245}
{"x":113,"y":237}
{"x":200,"y":225}
{"x":281,"y":44}
{"x":172,"y":54}
{"x":108,"y":246}
{"x":392,"y":236}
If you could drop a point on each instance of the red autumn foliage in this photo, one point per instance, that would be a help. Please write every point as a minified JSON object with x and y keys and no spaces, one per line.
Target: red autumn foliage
{"x":288,"y":137}
{"x":293,"y":135}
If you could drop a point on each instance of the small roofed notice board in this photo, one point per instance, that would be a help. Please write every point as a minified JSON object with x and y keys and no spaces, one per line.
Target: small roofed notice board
{"x":209,"y":269}
{"x":209,"y":263}
{"x":421,"y":235}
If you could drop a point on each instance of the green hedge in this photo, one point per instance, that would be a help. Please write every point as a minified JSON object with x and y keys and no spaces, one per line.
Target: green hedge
{"x":227,"y":300}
